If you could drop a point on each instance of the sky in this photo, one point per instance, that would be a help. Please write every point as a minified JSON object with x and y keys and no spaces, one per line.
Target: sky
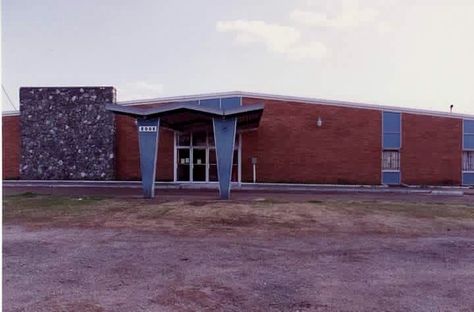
{"x":409,"y":53}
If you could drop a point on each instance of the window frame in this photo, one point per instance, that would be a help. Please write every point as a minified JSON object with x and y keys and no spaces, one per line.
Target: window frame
{"x":464,"y":134}
{"x":391,"y":132}
{"x":391,"y":172}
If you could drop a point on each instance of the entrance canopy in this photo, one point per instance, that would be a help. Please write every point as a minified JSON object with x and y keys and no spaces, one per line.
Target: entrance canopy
{"x":190,"y":115}
{"x":225,"y":116}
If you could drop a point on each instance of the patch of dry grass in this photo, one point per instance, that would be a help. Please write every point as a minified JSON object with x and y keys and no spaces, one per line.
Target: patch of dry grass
{"x":408,"y":209}
{"x":31,"y":206}
{"x":336,"y":216}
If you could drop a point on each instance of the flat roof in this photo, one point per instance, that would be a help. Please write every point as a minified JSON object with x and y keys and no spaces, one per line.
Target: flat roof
{"x":296,"y":99}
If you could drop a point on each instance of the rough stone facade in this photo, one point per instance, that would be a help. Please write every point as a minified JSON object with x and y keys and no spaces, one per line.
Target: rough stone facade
{"x":66,"y":133}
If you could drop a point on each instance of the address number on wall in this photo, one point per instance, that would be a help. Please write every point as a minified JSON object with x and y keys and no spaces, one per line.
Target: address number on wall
{"x":147,"y":128}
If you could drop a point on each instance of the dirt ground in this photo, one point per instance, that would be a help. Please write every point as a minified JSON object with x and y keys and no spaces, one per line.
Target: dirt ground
{"x":260,"y":252}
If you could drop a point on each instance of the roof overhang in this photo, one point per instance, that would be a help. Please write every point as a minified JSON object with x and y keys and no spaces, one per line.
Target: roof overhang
{"x":182,"y":117}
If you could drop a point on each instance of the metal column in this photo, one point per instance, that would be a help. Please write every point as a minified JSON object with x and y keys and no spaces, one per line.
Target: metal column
{"x":148,"y":135}
{"x":224,"y":138}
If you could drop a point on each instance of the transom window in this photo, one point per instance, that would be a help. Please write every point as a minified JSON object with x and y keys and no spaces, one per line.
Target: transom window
{"x":199,"y":139}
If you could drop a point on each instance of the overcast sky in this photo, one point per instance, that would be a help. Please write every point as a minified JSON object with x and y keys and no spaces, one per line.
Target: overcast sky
{"x":403,"y":53}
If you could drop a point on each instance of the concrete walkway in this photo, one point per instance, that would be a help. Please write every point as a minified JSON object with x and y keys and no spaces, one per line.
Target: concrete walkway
{"x":454,"y":190}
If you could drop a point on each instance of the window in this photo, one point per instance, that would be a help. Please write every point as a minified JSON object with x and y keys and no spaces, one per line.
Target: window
{"x":468,"y":134}
{"x":391,"y":144}
{"x":184,"y":139}
{"x":391,"y":167}
{"x":199,"y":138}
{"x":468,"y":161}
{"x":468,"y":153}
{"x":391,"y":160}
{"x":391,"y":130}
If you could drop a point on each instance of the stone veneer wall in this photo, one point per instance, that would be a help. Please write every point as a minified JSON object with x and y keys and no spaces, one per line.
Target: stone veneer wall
{"x":66,"y":133}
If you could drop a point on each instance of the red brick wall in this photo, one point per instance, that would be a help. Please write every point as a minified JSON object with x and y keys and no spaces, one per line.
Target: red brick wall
{"x":127,"y":153}
{"x":165,"y":156}
{"x":11,"y":147}
{"x":290,"y":147}
{"x":431,"y":152}
{"x":127,"y":166}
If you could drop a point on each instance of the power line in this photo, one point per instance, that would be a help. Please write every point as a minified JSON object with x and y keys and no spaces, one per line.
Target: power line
{"x":8,"y":98}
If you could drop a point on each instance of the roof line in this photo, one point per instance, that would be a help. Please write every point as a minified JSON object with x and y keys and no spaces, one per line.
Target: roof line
{"x":66,"y":87}
{"x":305,"y":100}
{"x":10,"y":113}
{"x":181,"y":98}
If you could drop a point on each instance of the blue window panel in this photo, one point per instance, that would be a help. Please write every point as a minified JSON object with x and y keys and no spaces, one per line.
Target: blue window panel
{"x":391,"y":140}
{"x":230,"y":102}
{"x":391,"y":178}
{"x":468,"y":178}
{"x":391,"y":122}
{"x":468,"y":126}
{"x":468,"y":133}
{"x":391,"y":130}
{"x":211,"y":103}
{"x":469,"y":141}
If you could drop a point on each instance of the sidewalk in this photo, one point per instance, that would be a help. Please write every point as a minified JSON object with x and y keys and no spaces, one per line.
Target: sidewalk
{"x":254,"y":187}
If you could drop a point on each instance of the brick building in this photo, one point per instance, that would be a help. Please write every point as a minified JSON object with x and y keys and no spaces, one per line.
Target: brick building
{"x":65,"y":133}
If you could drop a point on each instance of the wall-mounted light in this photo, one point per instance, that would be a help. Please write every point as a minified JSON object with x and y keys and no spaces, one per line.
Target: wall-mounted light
{"x":319,"y":122}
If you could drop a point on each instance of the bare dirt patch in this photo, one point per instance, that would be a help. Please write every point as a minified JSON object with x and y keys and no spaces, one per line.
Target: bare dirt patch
{"x":71,"y":253}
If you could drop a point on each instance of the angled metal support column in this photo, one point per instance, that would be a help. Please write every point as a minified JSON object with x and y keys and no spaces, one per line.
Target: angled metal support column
{"x":224,"y":138}
{"x":148,"y":136}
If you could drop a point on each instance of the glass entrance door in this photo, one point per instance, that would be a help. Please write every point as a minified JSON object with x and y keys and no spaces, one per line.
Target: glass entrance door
{"x":199,"y":164}
{"x":183,"y":165}
{"x":196,"y":157}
